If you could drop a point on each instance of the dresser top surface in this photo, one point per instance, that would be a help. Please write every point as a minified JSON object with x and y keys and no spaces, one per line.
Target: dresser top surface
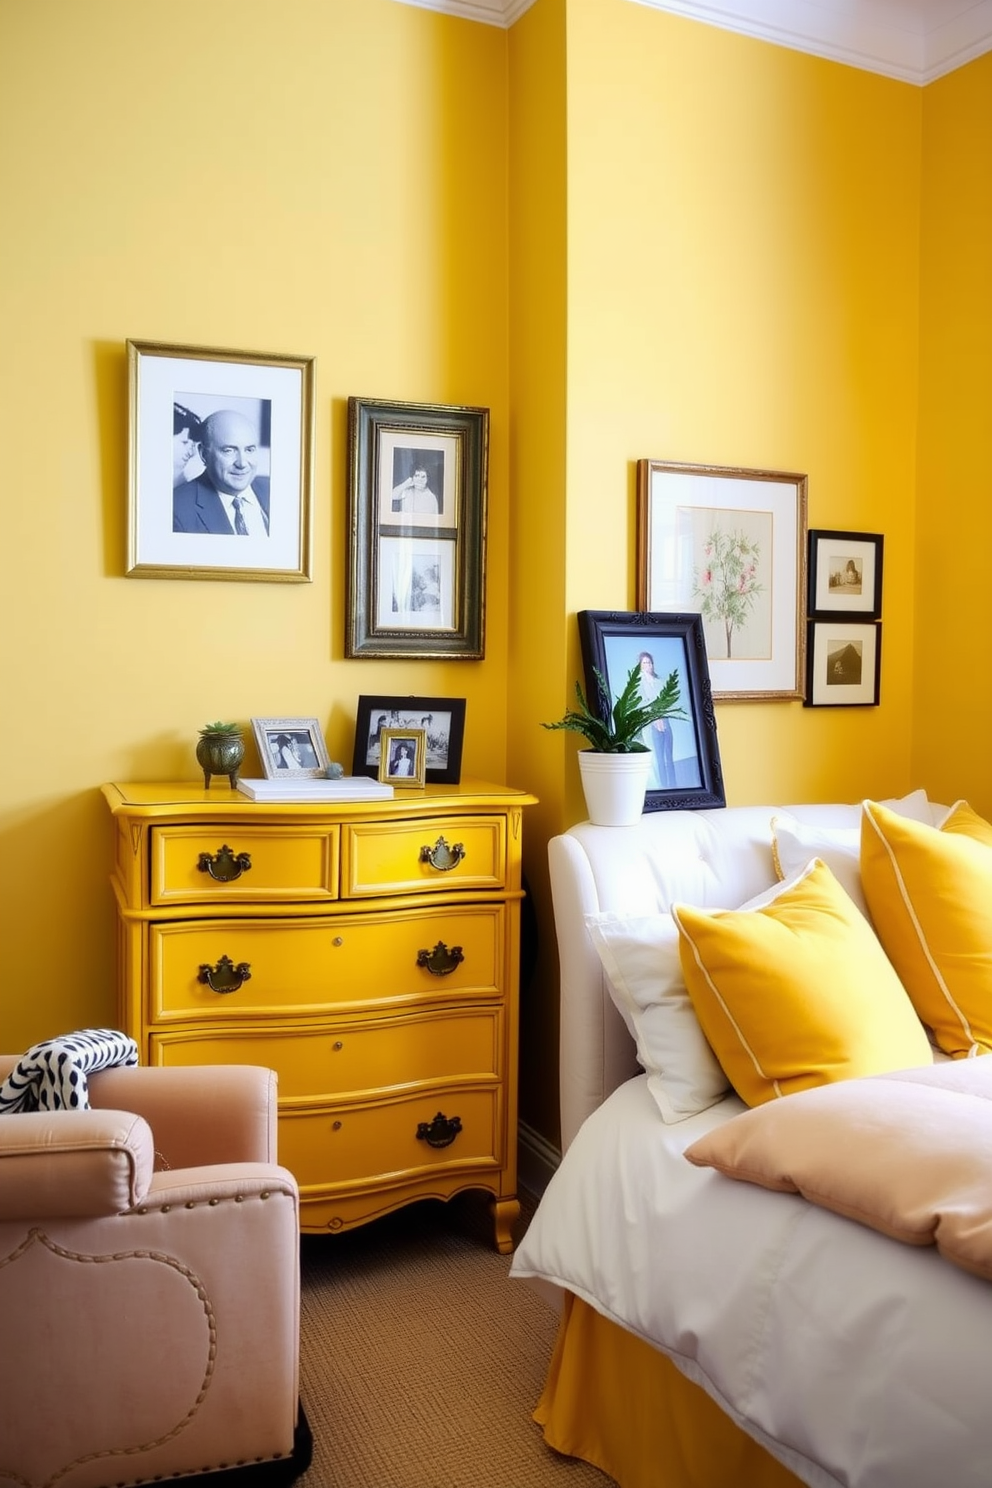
{"x":184,"y":797}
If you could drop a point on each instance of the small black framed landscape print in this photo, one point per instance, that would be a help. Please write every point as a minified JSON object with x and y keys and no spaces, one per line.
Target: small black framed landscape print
{"x":403,"y":756}
{"x":686,"y":771}
{"x":442,"y":719}
{"x":844,"y":664}
{"x":417,"y":484}
{"x":290,"y":748}
{"x":845,"y":575}
{"x":220,"y":457}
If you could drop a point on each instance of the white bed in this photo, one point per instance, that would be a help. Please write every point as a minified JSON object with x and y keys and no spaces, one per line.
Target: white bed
{"x":850,"y":1358}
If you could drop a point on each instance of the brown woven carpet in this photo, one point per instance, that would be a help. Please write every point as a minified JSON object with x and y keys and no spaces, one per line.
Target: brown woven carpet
{"x":421,"y":1361}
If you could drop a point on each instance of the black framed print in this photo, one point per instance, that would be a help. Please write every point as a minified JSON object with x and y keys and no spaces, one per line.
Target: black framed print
{"x":844,"y":664}
{"x":845,"y":575}
{"x":220,"y":463}
{"x":443,"y":722}
{"x":417,"y":485}
{"x":686,"y":770}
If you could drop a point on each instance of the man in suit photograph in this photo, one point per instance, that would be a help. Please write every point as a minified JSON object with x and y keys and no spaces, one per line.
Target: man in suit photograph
{"x":228,"y":498}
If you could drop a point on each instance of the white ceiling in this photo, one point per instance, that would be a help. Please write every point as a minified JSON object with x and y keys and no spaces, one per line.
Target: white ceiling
{"x":914,"y":40}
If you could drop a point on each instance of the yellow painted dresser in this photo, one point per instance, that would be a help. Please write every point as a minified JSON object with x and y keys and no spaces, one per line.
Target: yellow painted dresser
{"x":366,"y":951}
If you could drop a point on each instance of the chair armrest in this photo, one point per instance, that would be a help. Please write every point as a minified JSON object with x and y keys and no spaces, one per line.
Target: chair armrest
{"x":72,"y":1164}
{"x":200,"y":1114}
{"x":186,"y":1188}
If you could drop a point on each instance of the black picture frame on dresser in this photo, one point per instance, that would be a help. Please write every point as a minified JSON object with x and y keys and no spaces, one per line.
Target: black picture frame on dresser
{"x":612,"y":642}
{"x":442,"y":718}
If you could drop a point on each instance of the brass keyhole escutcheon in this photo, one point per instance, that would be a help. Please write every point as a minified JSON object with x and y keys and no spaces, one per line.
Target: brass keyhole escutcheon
{"x":441,"y":856}
{"x":225,"y":865}
{"x":441,"y":961}
{"x":225,"y":976}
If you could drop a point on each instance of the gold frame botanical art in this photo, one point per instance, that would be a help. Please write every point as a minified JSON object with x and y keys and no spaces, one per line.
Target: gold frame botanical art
{"x":731,"y":544}
{"x":182,"y":526}
{"x":417,"y":484}
{"x":408,"y":745}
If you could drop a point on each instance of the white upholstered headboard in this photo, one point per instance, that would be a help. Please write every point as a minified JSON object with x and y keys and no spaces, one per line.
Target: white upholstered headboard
{"x":715,"y":858}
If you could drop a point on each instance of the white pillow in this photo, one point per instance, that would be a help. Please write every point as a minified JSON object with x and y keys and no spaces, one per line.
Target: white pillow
{"x":640,"y":957}
{"x":794,"y":843}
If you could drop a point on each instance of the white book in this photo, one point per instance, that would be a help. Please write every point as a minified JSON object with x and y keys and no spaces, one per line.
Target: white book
{"x":345,"y":788}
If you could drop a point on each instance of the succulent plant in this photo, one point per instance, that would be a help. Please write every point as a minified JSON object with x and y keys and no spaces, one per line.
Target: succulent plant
{"x":211,"y":730}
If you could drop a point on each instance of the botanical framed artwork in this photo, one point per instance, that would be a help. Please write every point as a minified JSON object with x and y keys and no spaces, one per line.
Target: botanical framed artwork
{"x":844,"y":664}
{"x":845,"y":574}
{"x":731,"y":544}
{"x":417,"y":484}
{"x":403,"y":756}
{"x":442,"y":719}
{"x":686,"y":770}
{"x":220,"y":462}
{"x":290,"y":748}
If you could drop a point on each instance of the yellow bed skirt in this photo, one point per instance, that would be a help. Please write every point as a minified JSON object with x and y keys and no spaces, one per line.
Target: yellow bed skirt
{"x":614,"y":1401}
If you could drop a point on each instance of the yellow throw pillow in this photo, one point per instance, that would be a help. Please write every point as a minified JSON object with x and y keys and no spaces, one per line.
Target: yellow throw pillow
{"x":967,"y":823}
{"x":797,"y":992}
{"x":929,"y":892}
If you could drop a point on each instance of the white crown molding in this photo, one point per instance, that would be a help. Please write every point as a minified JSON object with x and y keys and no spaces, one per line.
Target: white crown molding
{"x":915,"y":41}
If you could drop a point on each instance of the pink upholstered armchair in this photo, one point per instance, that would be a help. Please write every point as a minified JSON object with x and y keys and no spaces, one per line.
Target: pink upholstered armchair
{"x":149,"y":1281}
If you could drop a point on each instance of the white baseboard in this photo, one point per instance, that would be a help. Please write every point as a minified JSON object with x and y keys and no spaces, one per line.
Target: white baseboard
{"x":537,"y":1159}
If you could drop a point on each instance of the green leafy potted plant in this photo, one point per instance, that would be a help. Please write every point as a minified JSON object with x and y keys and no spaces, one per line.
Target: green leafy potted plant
{"x":617,"y":765}
{"x":219,"y":751}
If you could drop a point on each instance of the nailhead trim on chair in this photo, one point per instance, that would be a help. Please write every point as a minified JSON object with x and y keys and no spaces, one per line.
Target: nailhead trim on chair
{"x":212,"y":1203}
{"x":37,"y":1236}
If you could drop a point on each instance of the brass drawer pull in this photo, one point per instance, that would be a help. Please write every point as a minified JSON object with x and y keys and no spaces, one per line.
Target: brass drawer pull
{"x":224,"y":866}
{"x":441,"y":856}
{"x":440,"y":961}
{"x":440,"y":1132}
{"x":225,"y":976}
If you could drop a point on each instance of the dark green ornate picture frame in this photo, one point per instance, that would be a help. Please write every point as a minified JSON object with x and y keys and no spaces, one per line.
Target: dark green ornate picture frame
{"x":417,"y":488}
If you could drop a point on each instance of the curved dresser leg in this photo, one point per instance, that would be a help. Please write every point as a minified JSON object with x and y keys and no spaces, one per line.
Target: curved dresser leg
{"x":505,"y":1214}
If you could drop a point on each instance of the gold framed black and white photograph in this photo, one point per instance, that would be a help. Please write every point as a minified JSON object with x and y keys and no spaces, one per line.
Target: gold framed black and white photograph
{"x":403,"y":760}
{"x":845,"y":574}
{"x":441,"y":718}
{"x":731,"y":544}
{"x":844,"y":664}
{"x":417,"y":484}
{"x":290,"y":748}
{"x":220,"y":463}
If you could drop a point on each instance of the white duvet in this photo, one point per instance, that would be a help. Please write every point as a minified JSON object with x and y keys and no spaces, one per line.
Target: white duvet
{"x":854,"y":1359}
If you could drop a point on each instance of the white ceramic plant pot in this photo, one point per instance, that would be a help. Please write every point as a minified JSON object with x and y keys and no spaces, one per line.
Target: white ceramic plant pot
{"x":614,"y":786}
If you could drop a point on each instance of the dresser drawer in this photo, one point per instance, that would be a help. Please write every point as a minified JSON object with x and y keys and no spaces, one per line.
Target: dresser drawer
{"x":237,"y":865}
{"x":375,"y":1054}
{"x":307,"y":965}
{"x":364,"y":1143}
{"x":432,"y":855}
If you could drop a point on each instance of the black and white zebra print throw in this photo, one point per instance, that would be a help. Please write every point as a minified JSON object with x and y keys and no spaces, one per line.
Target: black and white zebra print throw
{"x":51,"y":1076}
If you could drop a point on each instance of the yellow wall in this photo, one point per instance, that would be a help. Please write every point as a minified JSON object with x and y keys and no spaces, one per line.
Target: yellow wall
{"x":741,"y":264}
{"x":743,"y":290}
{"x":627,"y":234}
{"x":540,"y":630}
{"x":318,"y":178}
{"x":952,"y":718}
